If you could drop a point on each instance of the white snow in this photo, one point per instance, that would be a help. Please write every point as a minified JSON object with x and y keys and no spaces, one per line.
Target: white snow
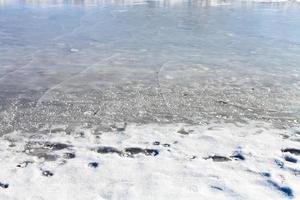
{"x":180,"y":171}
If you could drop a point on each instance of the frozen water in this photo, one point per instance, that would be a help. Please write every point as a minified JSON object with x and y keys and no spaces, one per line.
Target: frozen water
{"x":152,"y":61}
{"x":149,"y":99}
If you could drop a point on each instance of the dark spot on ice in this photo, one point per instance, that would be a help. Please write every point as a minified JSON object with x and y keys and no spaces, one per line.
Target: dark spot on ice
{"x":216,"y":158}
{"x":292,"y":151}
{"x":238,"y":156}
{"x":4,"y":185}
{"x":175,"y":142}
{"x":93,"y":164}
{"x":265,"y":174}
{"x":156,"y":143}
{"x":279,"y":163}
{"x":217,"y":188}
{"x":290,"y":159}
{"x":286,"y":190}
{"x":69,"y":155}
{"x":105,"y":150}
{"x":47,"y":173}
{"x":166,"y":145}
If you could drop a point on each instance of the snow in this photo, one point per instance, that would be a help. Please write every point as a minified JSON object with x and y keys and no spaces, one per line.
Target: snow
{"x":183,"y":169}
{"x":206,"y":95}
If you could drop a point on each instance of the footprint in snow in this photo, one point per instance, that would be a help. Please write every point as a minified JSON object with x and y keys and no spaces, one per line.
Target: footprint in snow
{"x":24,"y":164}
{"x":217,"y":158}
{"x":290,"y":159}
{"x":4,"y":185}
{"x":292,"y":151}
{"x":93,"y":164}
{"x":130,"y":151}
{"x":69,"y":155}
{"x":287,"y":191}
{"x":47,"y":173}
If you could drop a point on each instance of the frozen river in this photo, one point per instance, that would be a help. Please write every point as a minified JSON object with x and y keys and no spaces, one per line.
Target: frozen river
{"x":169,"y":99}
{"x":148,"y":61}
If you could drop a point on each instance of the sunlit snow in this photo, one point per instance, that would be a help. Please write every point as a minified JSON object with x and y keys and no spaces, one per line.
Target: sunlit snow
{"x":169,"y":99}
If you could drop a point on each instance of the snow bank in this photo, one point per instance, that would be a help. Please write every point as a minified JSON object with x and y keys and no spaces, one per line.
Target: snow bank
{"x":175,"y":161}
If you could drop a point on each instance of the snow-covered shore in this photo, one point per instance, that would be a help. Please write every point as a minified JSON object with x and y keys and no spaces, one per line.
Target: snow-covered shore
{"x":177,"y":161}
{"x":210,"y":94}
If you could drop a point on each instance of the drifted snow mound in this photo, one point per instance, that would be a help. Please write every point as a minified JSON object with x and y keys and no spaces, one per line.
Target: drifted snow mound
{"x":154,"y":161}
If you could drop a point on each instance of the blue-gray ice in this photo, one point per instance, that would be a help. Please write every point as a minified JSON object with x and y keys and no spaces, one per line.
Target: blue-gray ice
{"x":148,"y":61}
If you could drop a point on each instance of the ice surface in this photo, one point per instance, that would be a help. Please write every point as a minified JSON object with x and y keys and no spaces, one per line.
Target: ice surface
{"x":149,"y":99}
{"x":148,"y":62}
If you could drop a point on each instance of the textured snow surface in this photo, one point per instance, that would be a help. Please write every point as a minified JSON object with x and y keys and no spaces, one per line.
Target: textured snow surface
{"x":215,"y":161}
{"x":210,"y":91}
